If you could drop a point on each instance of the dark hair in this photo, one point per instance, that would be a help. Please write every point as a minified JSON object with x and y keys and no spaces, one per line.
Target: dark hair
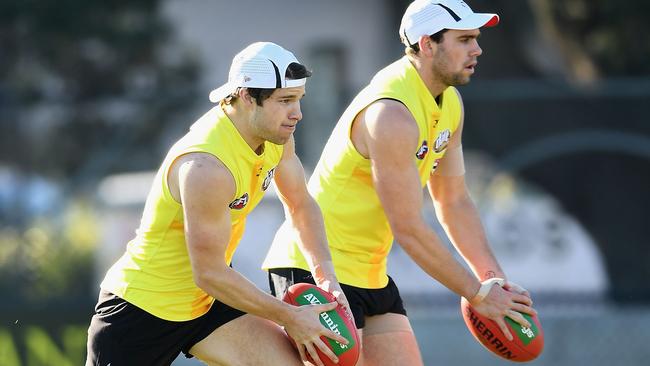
{"x":436,"y":37}
{"x":294,"y":71}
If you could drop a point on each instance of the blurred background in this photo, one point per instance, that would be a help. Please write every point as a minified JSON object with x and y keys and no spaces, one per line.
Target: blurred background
{"x":557,"y":142}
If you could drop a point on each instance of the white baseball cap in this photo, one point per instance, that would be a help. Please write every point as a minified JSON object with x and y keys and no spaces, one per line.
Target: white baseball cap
{"x":260,"y":65}
{"x":426,"y":17}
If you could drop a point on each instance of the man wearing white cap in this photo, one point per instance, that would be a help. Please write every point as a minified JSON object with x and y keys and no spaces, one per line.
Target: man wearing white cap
{"x":400,"y":133}
{"x":174,"y":289}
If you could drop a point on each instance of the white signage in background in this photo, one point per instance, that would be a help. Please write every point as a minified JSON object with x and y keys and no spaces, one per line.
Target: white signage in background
{"x":540,"y":244}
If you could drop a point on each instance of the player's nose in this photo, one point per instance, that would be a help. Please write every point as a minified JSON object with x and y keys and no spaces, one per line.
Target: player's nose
{"x":296,"y":113}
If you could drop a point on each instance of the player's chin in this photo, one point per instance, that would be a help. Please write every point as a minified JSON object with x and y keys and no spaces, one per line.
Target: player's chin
{"x":463,"y":79}
{"x":281,"y":139}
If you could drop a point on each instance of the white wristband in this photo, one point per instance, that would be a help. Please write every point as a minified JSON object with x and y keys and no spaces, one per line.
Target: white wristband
{"x":486,"y":286}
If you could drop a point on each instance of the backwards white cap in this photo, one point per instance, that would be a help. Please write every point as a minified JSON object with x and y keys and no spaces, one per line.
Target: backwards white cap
{"x":426,"y":17}
{"x":260,"y":65}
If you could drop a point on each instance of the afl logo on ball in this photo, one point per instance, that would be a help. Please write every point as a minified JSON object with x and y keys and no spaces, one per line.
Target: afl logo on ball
{"x":239,"y":203}
{"x":422,"y":151}
{"x":268,"y":179}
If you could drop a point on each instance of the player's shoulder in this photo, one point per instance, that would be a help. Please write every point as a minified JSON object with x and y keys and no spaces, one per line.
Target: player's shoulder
{"x":199,"y":172}
{"x":199,"y":159}
{"x":388,"y":120}
{"x":203,"y":167}
{"x":389,"y":113}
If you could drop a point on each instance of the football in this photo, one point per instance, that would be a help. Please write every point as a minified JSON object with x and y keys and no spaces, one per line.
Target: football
{"x":526,"y":345}
{"x":337,"y":320}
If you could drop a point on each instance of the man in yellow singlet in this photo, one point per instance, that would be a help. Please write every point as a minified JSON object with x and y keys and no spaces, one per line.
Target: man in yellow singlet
{"x":400,"y":133}
{"x":174,"y":290}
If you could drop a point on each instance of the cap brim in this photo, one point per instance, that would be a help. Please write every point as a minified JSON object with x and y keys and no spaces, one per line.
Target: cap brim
{"x":221,"y":92}
{"x":292,"y":83}
{"x":476,"y":20}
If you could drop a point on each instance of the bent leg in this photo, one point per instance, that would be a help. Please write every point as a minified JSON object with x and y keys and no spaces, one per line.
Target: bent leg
{"x":247,"y":341}
{"x":388,"y":340}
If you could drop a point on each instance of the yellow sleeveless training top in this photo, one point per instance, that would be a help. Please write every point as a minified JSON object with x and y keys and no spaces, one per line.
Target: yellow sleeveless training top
{"x":155,"y":273}
{"x":357,"y":229}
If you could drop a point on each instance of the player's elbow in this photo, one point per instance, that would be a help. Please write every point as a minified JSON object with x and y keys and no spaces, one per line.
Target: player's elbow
{"x":405,"y":231}
{"x":202,"y":278}
{"x":205,"y":277}
{"x":303,"y":212}
{"x":452,"y":199}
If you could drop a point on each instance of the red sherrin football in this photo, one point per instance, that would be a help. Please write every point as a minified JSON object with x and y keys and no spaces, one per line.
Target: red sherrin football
{"x":526,"y":345}
{"x":337,"y":320}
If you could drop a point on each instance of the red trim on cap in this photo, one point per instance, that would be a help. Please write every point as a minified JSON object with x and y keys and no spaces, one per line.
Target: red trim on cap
{"x":492,"y":22}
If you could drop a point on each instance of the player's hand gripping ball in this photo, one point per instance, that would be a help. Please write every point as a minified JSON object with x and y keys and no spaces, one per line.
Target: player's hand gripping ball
{"x":526,"y":345}
{"x":336,"y":320}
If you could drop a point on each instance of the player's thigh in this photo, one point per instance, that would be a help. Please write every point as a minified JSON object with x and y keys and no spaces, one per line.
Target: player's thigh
{"x":247,"y":341}
{"x":388,"y":340}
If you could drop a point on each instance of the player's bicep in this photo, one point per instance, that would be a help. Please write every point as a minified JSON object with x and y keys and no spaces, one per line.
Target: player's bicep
{"x":392,"y":138}
{"x":290,"y":177}
{"x":206,"y":188}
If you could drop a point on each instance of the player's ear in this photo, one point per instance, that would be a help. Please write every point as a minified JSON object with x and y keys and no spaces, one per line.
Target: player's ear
{"x":427,"y":45}
{"x":245,"y":96}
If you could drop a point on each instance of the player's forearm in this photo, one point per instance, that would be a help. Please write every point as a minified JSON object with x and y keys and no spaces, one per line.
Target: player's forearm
{"x":324,"y":272}
{"x":233,"y":289}
{"x":307,"y":220}
{"x":463,"y":226}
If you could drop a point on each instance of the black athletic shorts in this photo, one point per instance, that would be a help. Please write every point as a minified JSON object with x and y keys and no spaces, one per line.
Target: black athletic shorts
{"x":363,"y":302}
{"x":121,"y":334}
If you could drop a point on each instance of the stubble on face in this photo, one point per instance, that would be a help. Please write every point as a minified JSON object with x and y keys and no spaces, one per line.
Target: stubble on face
{"x":271,"y":121}
{"x":455,"y":59}
{"x":444,"y":70}
{"x":260,"y":126}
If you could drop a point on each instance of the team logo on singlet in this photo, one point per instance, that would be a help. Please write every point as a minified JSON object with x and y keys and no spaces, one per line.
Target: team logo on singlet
{"x":422,"y":151}
{"x":239,"y":203}
{"x":268,"y":179}
{"x":442,"y":141}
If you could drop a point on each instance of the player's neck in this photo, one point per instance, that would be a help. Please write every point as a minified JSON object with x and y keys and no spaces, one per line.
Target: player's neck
{"x":425,"y":70}
{"x":241,"y":122}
